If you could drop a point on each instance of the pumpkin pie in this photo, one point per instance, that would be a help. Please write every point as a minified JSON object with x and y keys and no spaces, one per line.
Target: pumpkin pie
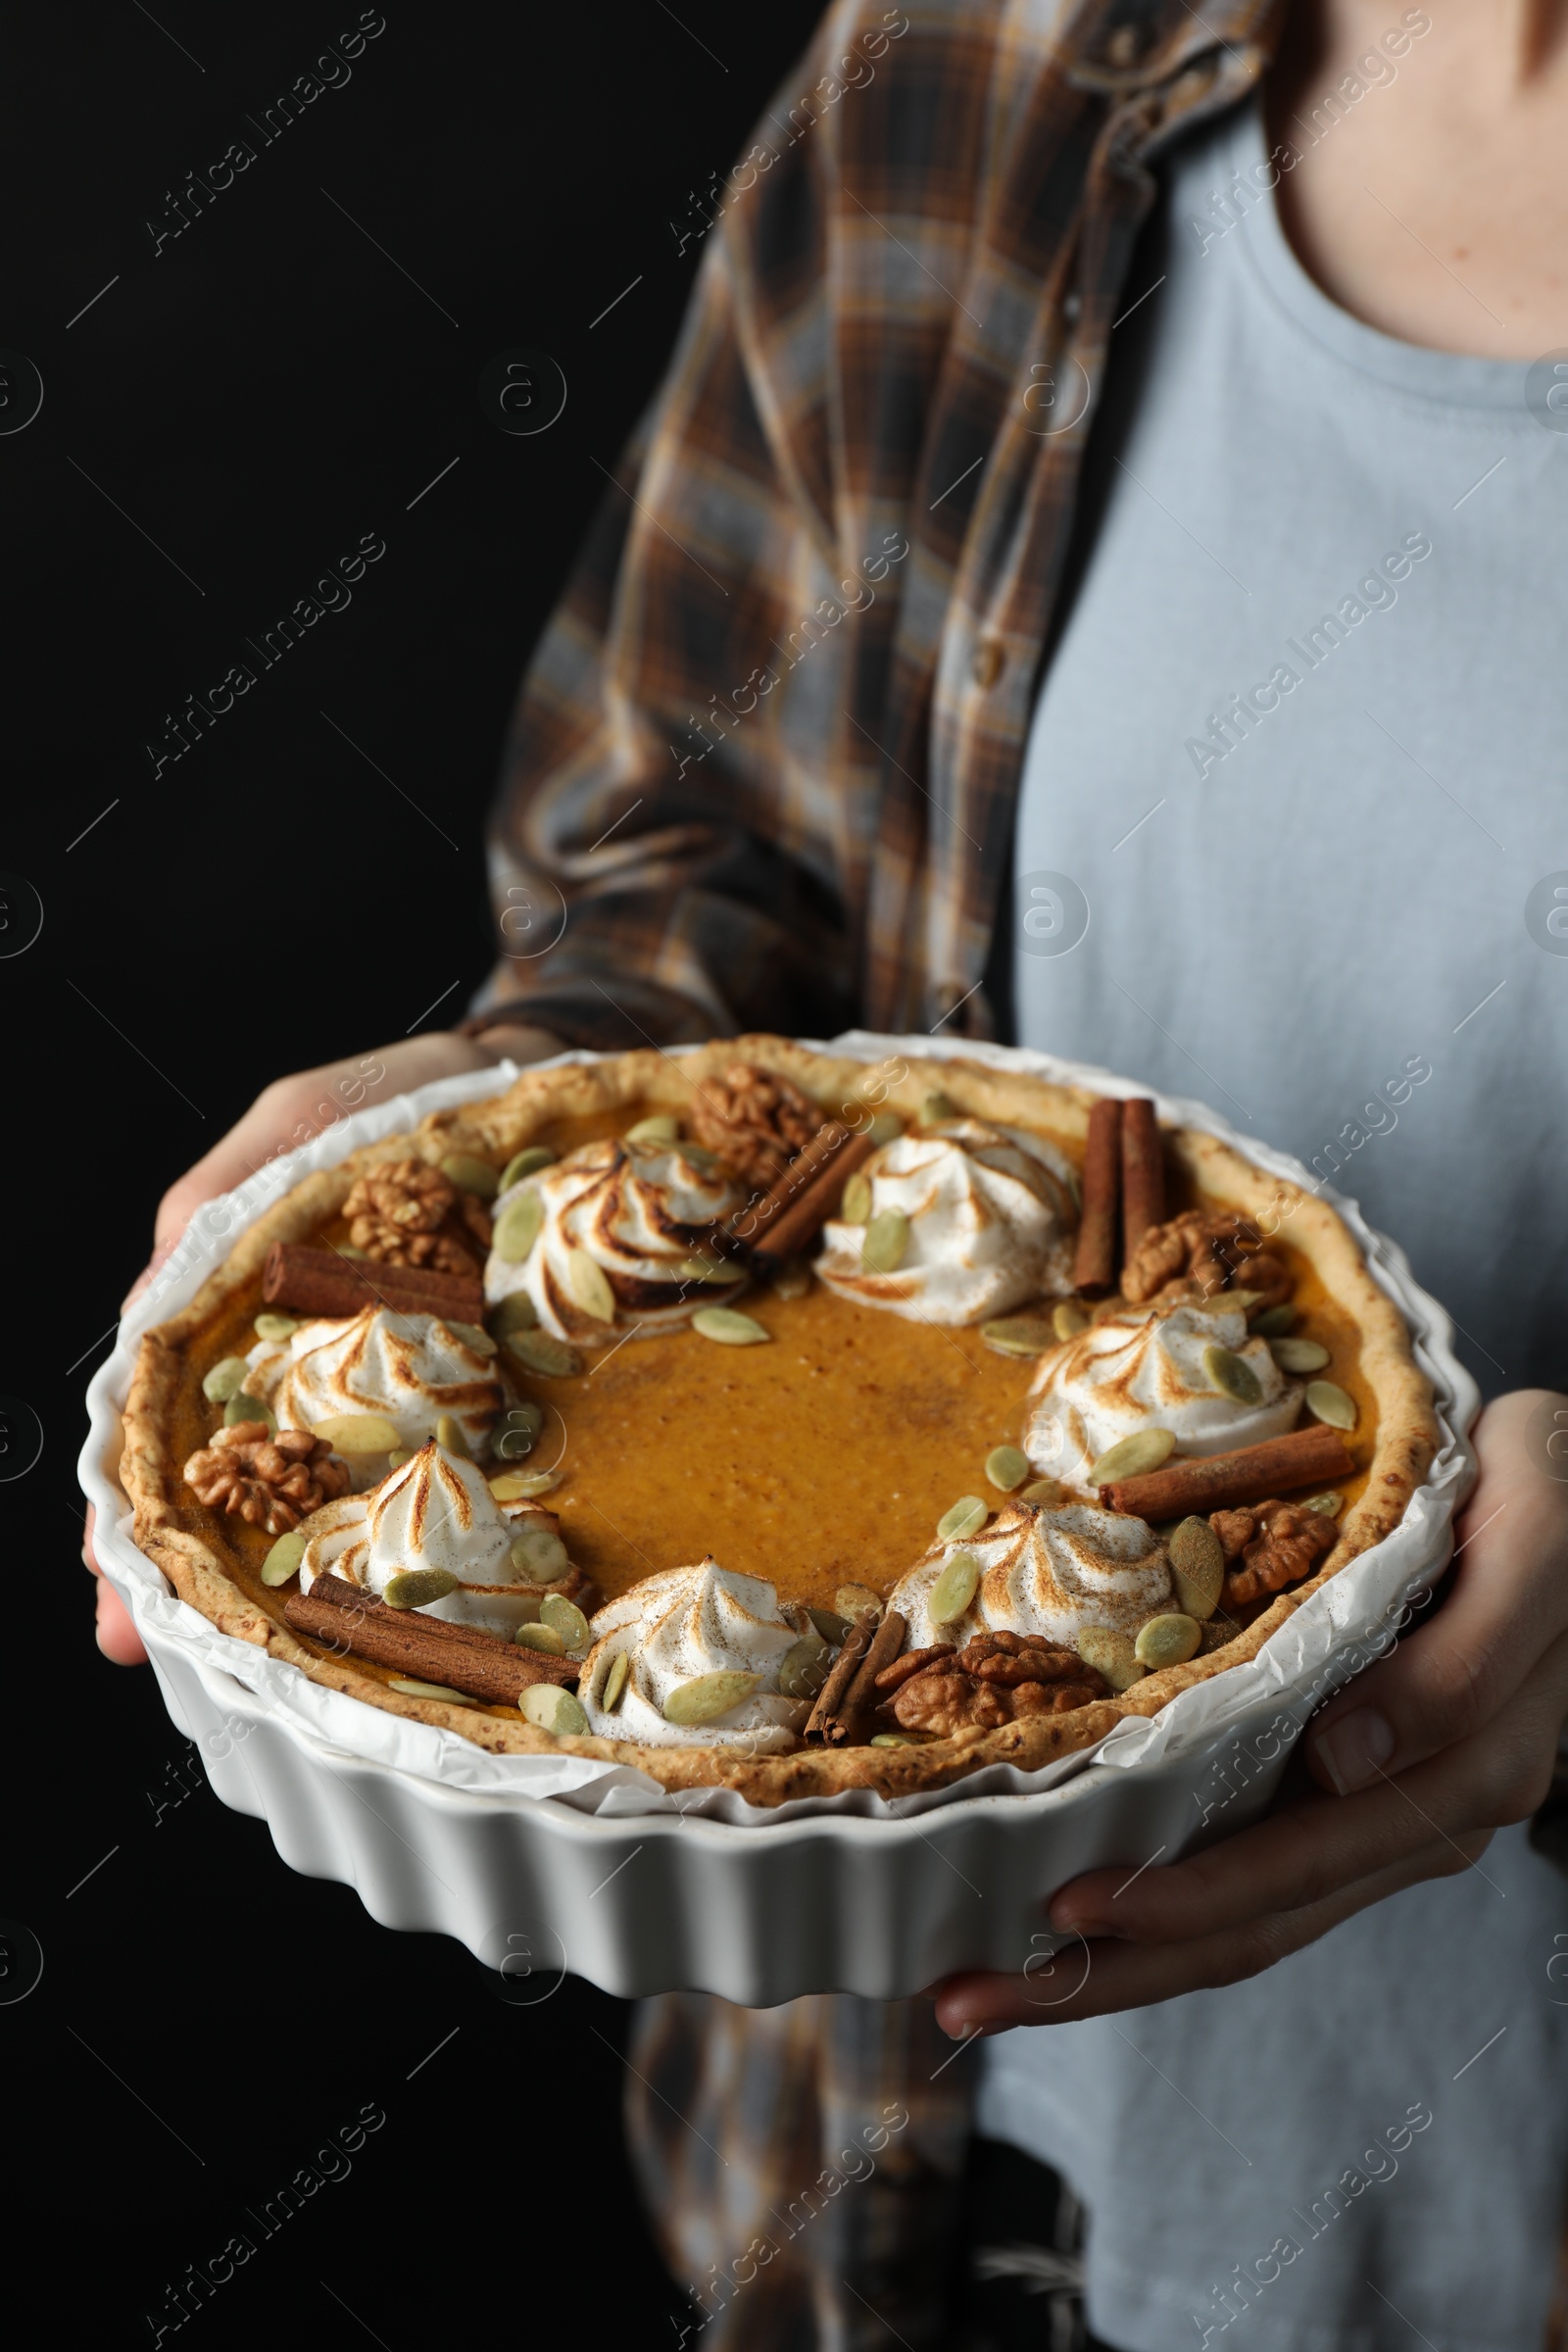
{"x":768,"y":1417}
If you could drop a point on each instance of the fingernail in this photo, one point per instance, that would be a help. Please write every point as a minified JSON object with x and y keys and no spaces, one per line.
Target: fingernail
{"x":966,"y":2031}
{"x":1354,"y":1750}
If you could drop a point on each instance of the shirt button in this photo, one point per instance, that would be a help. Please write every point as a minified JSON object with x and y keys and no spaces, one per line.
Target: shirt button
{"x":988,"y":662}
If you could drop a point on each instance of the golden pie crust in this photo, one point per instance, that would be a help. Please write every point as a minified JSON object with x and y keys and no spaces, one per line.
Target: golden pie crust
{"x":180,"y":1538}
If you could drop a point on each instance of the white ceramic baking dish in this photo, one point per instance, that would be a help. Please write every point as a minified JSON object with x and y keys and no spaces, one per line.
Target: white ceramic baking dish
{"x":542,"y":1867}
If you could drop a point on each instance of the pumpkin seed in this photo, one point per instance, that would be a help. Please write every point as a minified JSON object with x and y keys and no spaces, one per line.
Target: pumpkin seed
{"x":1111,"y":1655}
{"x":1046,"y":1494}
{"x":1169,"y":1640}
{"x":539,"y":1555}
{"x":708,"y":1696}
{"x":542,"y":1352}
{"x":704,"y":1270}
{"x":397,"y":1457}
{"x":589,"y":1286}
{"x":1133,"y":1457}
{"x":802,"y":1670}
{"x":895,"y":1739}
{"x":834,"y":1630}
{"x":1329,"y":1507}
{"x":566,"y":1618}
{"x":283,"y":1560}
{"x":728,"y":1326}
{"x":541,"y":1636}
{"x":223,"y":1381}
{"x":1196,"y":1567}
{"x":517,"y":1430}
{"x":549,"y":1708}
{"x":954,"y":1588}
{"x":937,"y":1107}
{"x":887,"y":1238}
{"x":966,"y":1517}
{"x":526,"y":1162}
{"x":707,"y":1163}
{"x":451,"y":1437}
{"x":417,"y":1588}
{"x":663,"y":1128}
{"x":855,"y":1602}
{"x":470,"y":1175}
{"x":520,"y":1485}
{"x":1020,"y":1334}
{"x":1232,"y":1375}
{"x":473,"y":1335}
{"x":1327,"y":1403}
{"x":1275,"y":1321}
{"x":515,"y":1313}
{"x":348,"y":1250}
{"x":357,"y":1433}
{"x":275,"y":1328}
{"x":793,"y":1279}
{"x":1006,"y":1467}
{"x":885,"y":1128}
{"x":856,"y":1206}
{"x":612,"y":1689}
{"x":1068,"y":1318}
{"x":1298,"y":1355}
{"x":249,"y":1408}
{"x":517,"y":1228}
{"x":445,"y":1690}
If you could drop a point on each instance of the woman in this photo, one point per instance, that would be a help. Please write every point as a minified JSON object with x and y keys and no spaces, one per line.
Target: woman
{"x":1089,"y":576}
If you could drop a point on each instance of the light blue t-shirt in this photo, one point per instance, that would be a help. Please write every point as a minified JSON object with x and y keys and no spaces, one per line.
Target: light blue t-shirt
{"x":1297,"y":762}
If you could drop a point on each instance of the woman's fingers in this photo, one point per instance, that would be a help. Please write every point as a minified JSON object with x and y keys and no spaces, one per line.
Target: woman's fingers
{"x":1098,"y":1977}
{"x":1302,"y":1854}
{"x":117,"y":1636}
{"x":1507,"y":1601}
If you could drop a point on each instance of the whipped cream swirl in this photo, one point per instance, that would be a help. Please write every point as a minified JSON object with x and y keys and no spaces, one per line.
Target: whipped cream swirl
{"x":1053,"y":1573}
{"x":990,"y":1209}
{"x":1143,"y":1370}
{"x":685,"y":1622}
{"x":408,"y":1368}
{"x":647,"y":1216}
{"x":436,"y":1511}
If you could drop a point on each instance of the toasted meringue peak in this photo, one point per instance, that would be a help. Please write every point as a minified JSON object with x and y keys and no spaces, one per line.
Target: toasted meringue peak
{"x":1053,"y":1573}
{"x":686,"y":1622}
{"x":990,"y":1209}
{"x":408,"y":1368}
{"x":433,"y":1511}
{"x":647,"y":1215}
{"x":1143,"y":1370}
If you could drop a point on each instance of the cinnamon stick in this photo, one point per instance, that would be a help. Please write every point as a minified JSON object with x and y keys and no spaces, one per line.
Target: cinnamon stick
{"x":426,"y":1649}
{"x":323,"y":1282}
{"x":848,"y":1725}
{"x":1306,"y":1458}
{"x":857,"y":1641}
{"x":1094,"y":1270}
{"x":1143,"y":1173}
{"x":806,"y":1196}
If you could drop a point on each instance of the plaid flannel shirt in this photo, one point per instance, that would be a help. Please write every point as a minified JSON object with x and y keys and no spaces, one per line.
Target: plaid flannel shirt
{"x":764,"y":769}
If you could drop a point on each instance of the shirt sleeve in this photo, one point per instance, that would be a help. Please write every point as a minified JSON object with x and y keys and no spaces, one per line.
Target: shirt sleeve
{"x":686,"y":807}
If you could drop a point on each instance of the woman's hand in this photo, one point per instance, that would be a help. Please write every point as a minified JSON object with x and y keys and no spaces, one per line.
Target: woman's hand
{"x":286,"y":1114}
{"x":1418,"y":1761}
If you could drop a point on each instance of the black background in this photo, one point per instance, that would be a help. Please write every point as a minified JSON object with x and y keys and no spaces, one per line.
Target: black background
{"x":257,"y":395}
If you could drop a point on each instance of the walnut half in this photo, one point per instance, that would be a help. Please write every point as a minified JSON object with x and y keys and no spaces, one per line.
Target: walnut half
{"x":996,"y":1679}
{"x":406,"y":1215}
{"x":1278,"y":1543}
{"x":755,"y":1120}
{"x":272,"y":1483}
{"x":1203,"y":1252}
